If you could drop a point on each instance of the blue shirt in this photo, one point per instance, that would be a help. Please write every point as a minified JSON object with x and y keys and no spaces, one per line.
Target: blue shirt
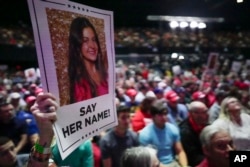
{"x":30,"y":121}
{"x":162,"y":139}
{"x":178,"y":115}
{"x":112,"y":146}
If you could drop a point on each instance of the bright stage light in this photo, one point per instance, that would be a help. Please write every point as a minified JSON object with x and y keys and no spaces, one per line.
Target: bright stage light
{"x":193,"y":24}
{"x":181,"y":57}
{"x":183,"y":24}
{"x":202,"y":25}
{"x":174,"y":55}
{"x":174,"y":24}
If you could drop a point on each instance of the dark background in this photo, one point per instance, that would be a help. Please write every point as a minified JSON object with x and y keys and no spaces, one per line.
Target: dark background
{"x":133,"y":12}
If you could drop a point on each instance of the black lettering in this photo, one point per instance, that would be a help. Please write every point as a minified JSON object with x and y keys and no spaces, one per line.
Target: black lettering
{"x":87,"y":121}
{"x":100,"y":116}
{"x":94,"y":119}
{"x":93,"y":106}
{"x":88,"y":109}
{"x":72,"y":128}
{"x":65,"y":131}
{"x":106,"y":113}
{"x":82,"y":111}
{"x":78,"y":125}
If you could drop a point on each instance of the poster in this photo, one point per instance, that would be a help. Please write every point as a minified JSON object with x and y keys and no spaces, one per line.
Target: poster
{"x":236,"y":66}
{"x":30,"y":75}
{"x":212,"y":62}
{"x":176,"y":70}
{"x":75,"y":49}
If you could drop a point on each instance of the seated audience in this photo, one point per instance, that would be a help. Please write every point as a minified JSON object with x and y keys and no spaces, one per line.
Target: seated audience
{"x":216,"y":144}
{"x":13,"y":127}
{"x":236,"y":122}
{"x":164,"y":136}
{"x":142,"y":116}
{"x":177,"y":112}
{"x":116,"y":140}
{"x":140,"y":156}
{"x":214,"y":110}
{"x":8,"y":156}
{"x":82,"y":156}
{"x":190,"y":130}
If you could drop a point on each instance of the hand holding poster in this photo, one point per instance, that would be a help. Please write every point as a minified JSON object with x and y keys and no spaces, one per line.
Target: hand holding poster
{"x":75,"y":49}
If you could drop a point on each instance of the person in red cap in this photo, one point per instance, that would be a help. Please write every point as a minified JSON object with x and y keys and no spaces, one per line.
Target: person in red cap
{"x":177,"y":111}
{"x":30,"y":100}
{"x":209,"y":92}
{"x":133,"y":104}
{"x":199,"y":96}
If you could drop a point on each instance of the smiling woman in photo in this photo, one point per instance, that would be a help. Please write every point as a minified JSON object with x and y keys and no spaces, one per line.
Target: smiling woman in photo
{"x":87,"y":73}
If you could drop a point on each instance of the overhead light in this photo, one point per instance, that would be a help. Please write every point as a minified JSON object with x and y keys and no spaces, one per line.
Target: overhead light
{"x":184,"y":18}
{"x":239,"y":1}
{"x":183,"y":24}
{"x":193,"y":24}
{"x":181,"y":57}
{"x":202,"y":25}
{"x":174,"y":55}
{"x":174,"y":24}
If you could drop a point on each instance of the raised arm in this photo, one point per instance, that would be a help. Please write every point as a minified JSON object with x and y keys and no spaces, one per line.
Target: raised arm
{"x":44,"y":111}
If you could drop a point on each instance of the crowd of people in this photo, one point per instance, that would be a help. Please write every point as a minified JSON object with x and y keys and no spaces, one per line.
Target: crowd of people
{"x":180,"y":119}
{"x":147,"y":37}
{"x":153,"y":37}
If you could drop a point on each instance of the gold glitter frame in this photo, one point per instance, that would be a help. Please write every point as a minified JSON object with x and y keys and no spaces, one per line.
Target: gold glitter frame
{"x":59,"y":23}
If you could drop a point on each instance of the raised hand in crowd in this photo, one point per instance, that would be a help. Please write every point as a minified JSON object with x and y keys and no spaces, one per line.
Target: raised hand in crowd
{"x":44,"y":111}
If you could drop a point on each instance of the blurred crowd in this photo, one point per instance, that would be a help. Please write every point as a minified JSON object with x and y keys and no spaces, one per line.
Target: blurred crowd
{"x":157,"y":105}
{"x":191,"y":99}
{"x":147,"y":37}
{"x":152,"y":37}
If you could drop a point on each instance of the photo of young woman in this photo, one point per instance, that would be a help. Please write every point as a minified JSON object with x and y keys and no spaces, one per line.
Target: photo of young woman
{"x":87,"y":73}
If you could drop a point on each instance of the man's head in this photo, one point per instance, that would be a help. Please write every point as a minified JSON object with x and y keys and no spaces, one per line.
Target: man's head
{"x":199,"y":113}
{"x":15,"y":98}
{"x":216,"y":144}
{"x":7,"y":153}
{"x":6,"y":112}
{"x":172,"y":98}
{"x":131,"y":93}
{"x":123,"y":115}
{"x":159,"y":112}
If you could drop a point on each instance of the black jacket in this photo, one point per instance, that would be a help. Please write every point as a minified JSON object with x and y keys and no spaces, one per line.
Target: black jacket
{"x":191,"y":143}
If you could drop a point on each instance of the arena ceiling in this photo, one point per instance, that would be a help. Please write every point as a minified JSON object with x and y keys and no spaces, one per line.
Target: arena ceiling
{"x":134,"y":12}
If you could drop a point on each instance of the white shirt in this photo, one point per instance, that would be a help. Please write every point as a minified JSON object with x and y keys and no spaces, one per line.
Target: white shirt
{"x":239,"y":133}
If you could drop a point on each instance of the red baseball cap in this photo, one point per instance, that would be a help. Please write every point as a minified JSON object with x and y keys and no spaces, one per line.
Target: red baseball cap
{"x":30,"y":99}
{"x":172,"y":96}
{"x":131,"y":92}
{"x":198,"y":95}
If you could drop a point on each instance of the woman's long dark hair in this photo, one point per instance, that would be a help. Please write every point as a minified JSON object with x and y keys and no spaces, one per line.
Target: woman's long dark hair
{"x":76,"y":67}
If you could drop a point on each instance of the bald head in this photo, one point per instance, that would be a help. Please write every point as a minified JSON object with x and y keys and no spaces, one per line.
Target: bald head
{"x":196,"y":105}
{"x":199,"y":112}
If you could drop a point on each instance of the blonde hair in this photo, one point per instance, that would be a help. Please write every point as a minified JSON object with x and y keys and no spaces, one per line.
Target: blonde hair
{"x":224,"y":113}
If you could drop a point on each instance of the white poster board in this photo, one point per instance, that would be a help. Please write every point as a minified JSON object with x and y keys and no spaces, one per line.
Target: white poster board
{"x":30,"y":75}
{"x":52,"y":23}
{"x":176,"y":70}
{"x":248,"y":62}
{"x":236,"y":66}
{"x":212,"y":62}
